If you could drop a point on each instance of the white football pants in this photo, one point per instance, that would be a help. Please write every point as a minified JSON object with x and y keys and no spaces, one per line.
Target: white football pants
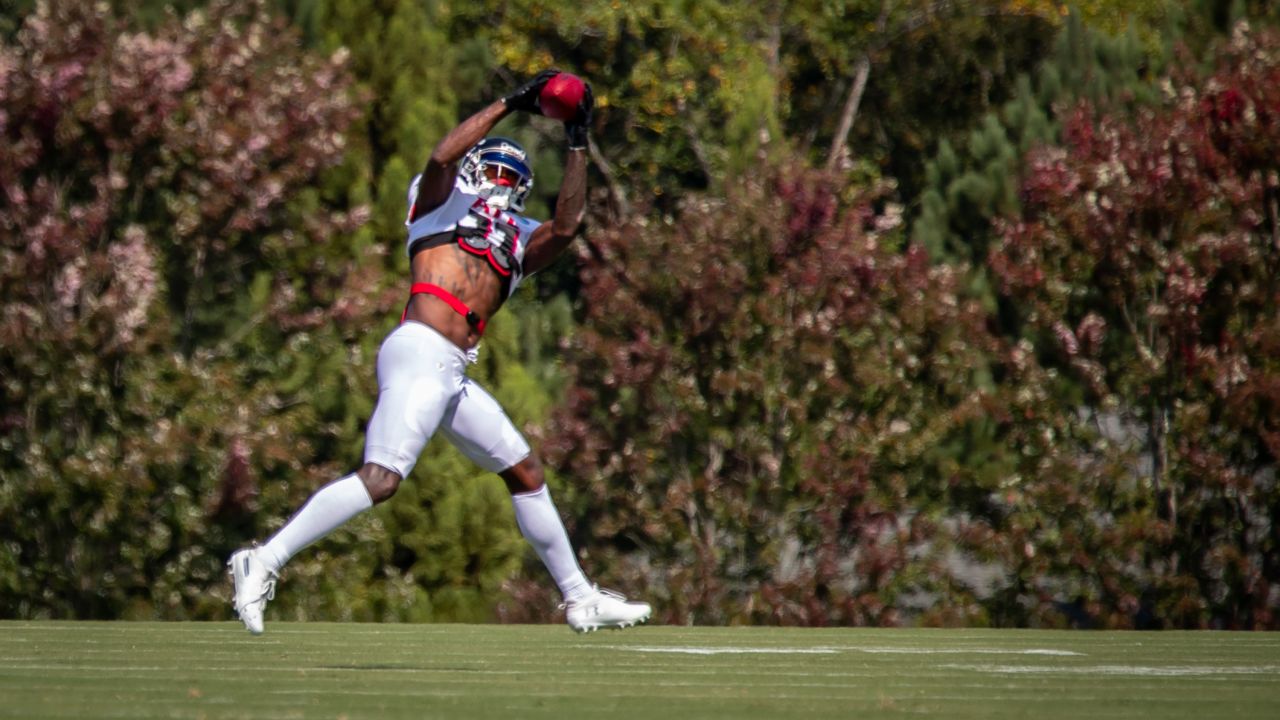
{"x":423,"y":387}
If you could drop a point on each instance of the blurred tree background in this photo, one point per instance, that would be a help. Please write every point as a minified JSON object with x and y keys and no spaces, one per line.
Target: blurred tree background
{"x":918,"y":312}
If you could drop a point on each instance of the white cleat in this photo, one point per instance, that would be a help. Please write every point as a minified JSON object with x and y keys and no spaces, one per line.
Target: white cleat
{"x":605,"y":609}
{"x":255,"y":585}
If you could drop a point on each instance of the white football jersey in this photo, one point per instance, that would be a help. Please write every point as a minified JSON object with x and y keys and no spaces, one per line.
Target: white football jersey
{"x":464,"y":212}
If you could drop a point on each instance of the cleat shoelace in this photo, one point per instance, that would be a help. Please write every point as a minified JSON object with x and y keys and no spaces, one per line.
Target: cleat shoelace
{"x":600,"y":592}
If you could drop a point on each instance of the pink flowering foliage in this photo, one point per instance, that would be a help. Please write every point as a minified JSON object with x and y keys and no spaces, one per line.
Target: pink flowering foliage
{"x":766,"y":396}
{"x":1146,"y":267}
{"x":149,"y":205}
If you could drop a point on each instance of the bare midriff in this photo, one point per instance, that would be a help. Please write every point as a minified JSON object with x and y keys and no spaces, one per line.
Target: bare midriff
{"x":469,"y":278}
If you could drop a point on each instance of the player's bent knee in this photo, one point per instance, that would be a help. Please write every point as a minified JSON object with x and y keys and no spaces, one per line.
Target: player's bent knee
{"x":381,"y":482}
{"x":524,"y":477}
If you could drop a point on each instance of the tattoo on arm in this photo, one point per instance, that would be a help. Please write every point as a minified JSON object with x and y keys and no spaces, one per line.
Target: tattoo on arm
{"x":438,"y":176}
{"x":553,"y":236}
{"x":573,"y":194}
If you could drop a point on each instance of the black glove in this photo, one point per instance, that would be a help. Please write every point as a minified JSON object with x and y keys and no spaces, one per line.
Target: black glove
{"x":525,"y":97}
{"x":578,"y":127}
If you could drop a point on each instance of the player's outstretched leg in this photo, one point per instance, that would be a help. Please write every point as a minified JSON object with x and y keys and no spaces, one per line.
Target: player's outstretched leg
{"x":605,"y":609}
{"x":255,"y":585}
{"x":254,"y":569}
{"x":586,"y":606}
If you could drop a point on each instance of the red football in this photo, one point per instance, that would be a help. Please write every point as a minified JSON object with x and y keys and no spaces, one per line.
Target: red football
{"x":560,"y":96}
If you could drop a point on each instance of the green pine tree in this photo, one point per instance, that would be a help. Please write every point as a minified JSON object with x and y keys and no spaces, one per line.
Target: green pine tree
{"x":968,"y":187}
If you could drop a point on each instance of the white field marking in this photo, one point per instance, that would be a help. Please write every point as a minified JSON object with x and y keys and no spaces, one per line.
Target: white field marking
{"x":718,"y":650}
{"x":1134,"y":670}
{"x":963,"y":651}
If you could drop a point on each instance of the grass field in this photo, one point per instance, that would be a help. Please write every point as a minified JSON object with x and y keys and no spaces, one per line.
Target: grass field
{"x":317,"y":670}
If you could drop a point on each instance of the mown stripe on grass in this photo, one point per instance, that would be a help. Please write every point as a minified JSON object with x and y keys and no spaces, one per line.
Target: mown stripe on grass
{"x":214,"y":670}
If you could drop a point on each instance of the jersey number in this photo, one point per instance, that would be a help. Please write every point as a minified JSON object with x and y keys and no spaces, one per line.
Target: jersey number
{"x":491,"y":233}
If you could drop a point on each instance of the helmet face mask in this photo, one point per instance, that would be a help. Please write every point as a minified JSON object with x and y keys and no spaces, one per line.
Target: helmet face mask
{"x":497,"y":168}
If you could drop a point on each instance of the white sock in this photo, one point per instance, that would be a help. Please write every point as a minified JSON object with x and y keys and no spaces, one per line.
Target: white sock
{"x":330,"y":507}
{"x":541,"y":525}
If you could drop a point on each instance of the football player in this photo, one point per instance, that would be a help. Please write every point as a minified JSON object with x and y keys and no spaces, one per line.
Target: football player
{"x":470,"y":248}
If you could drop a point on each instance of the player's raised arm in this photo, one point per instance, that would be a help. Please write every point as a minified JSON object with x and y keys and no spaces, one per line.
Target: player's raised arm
{"x":441,"y":170}
{"x":553,"y":236}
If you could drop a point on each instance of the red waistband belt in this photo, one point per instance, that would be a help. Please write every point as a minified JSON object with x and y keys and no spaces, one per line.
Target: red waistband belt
{"x":460,"y":307}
